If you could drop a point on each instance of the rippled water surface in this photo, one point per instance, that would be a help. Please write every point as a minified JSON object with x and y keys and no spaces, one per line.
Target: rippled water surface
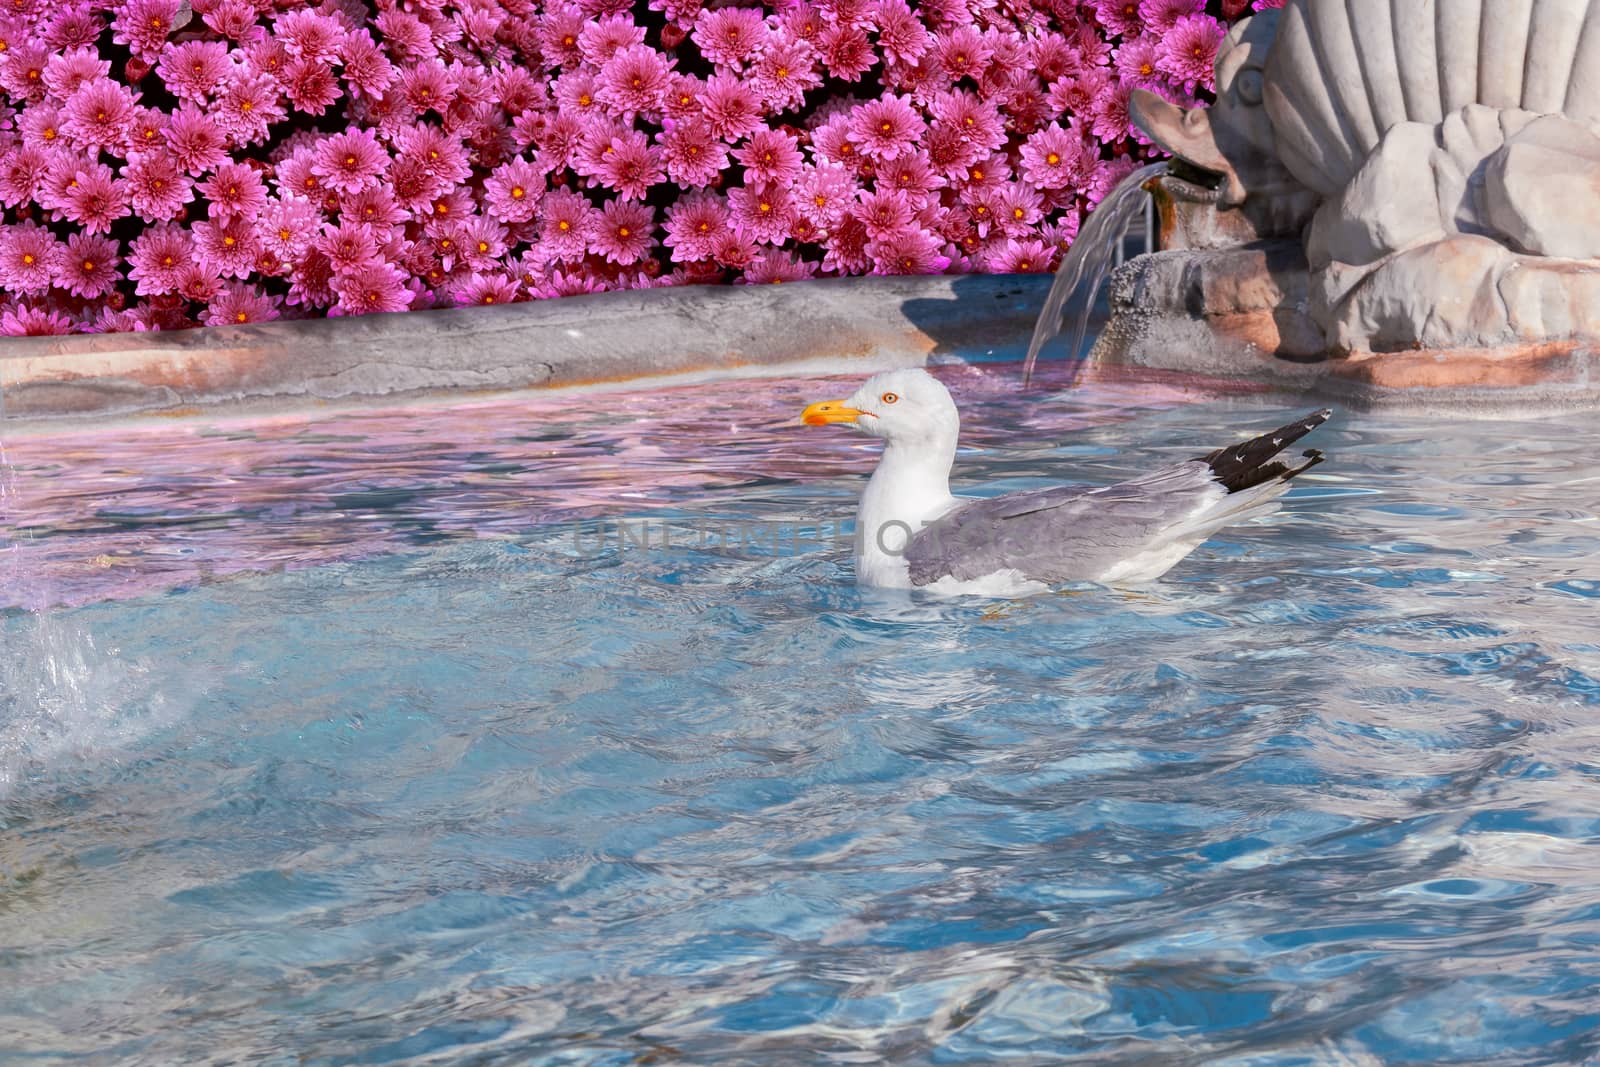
{"x":555,"y":731}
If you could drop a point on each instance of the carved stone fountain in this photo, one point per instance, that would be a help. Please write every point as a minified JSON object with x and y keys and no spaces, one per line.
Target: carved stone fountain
{"x":1388,"y":195}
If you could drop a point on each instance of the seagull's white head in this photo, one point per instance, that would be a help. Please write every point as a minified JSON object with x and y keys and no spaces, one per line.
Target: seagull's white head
{"x":899,"y":406}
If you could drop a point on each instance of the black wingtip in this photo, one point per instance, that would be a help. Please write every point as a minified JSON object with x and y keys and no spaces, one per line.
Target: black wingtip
{"x":1246,"y":465}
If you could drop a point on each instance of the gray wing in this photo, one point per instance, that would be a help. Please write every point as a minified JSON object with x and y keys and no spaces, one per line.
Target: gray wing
{"x":1064,"y":533}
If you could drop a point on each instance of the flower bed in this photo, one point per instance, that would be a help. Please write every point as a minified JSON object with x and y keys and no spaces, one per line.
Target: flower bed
{"x":168,"y":166}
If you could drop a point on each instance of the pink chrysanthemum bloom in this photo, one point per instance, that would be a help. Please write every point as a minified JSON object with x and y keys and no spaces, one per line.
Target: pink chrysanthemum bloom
{"x":95,"y":199}
{"x":803,"y":21}
{"x":733,"y":248}
{"x":988,"y":173}
{"x":309,"y":34}
{"x":157,"y":256}
{"x":234,"y":189}
{"x":349,"y":246}
{"x":404,"y":35}
{"x":693,"y":224}
{"x":143,"y":26}
{"x":1020,"y":257}
{"x":23,"y":171}
{"x":629,"y":164}
{"x":30,"y":255}
{"x":1137,"y":60}
{"x":558,"y":141}
{"x":1077,"y":96}
{"x":25,"y":321}
{"x":235,"y":20}
{"x":1052,"y":56}
{"x":605,"y":37}
{"x":311,"y":87}
{"x":1189,"y":51}
{"x":571,"y":282}
{"x":846,"y":52}
{"x":67,"y":71}
{"x":567,"y":220}
{"x":633,"y":79}
{"x":22,"y":73}
{"x":294,"y":176}
{"x":1159,"y":16}
{"x":512,"y":191}
{"x":97,"y":115}
{"x":576,"y":92}
{"x":901,"y":35}
{"x":1120,"y":17}
{"x":350,"y":161}
{"x":728,"y":36}
{"x":883,"y":129}
{"x":784,"y":72}
{"x":375,"y":205}
{"x":846,"y":250}
{"x":985,"y":209}
{"x":764,"y":211}
{"x":250,"y":102}
{"x":691,"y":153}
{"x":194,"y":70}
{"x":559,"y":27}
{"x":831,"y":142}
{"x":1053,"y":157}
{"x":199,"y":281}
{"x":196,"y":142}
{"x":976,"y":120}
{"x":486,"y":290}
{"x":366,"y":69}
{"x":441,"y":153}
{"x":1020,"y":208}
{"x":238,"y":303}
{"x":884,"y":213}
{"x":947,"y":152}
{"x":1111,"y":121}
{"x":912,"y":175}
{"x":73,"y":26}
{"x":681,"y":97}
{"x":40,"y":125}
{"x":730,"y":106}
{"x":963,"y":53}
{"x":770,"y":156}
{"x":287,"y":227}
{"x":228,"y":245}
{"x":624,"y":231}
{"x":483,"y":242}
{"x":826,"y":193}
{"x":377,"y":287}
{"x":908,"y":252}
{"x":773,"y":267}
{"x":413,"y":186}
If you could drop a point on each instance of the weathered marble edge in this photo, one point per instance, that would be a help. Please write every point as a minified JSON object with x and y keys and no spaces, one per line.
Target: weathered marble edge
{"x":576,"y":342}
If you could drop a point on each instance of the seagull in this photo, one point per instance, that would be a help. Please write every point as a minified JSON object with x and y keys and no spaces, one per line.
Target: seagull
{"x":911,"y":533}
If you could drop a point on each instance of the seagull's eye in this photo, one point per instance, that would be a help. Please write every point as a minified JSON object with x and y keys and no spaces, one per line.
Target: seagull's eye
{"x":889,"y":398}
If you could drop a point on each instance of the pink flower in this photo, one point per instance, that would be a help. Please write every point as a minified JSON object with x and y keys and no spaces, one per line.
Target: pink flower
{"x":692,"y":154}
{"x":633,"y":79}
{"x":1110,"y":117}
{"x":773,"y":267}
{"x":24,"y":321}
{"x":730,"y":106}
{"x":681,"y":98}
{"x":846,"y":52}
{"x":912,"y":175}
{"x":366,"y":69}
{"x":827,"y":192}
{"x":603,"y":38}
{"x":901,"y":35}
{"x":156,"y":258}
{"x":764,"y":211}
{"x":22,"y":174}
{"x":512,"y":191}
{"x":568,"y":218}
{"x":310,"y":35}
{"x":350,"y":161}
{"x":143,"y":26}
{"x":729,"y":35}
{"x":485,"y":290}
{"x":784,"y":72}
{"x":907,"y":252}
{"x":311,"y":87}
{"x":1052,"y":158}
{"x":288,"y":226}
{"x":883,"y":129}
{"x":847,"y":248}
{"x":974,"y":120}
{"x":234,"y":19}
{"x":884,"y":213}
{"x":349,"y":246}
{"x":250,"y":103}
{"x":1020,"y":257}
{"x":376,"y":287}
{"x":623,"y":233}
{"x":67,"y":71}
{"x":693,"y":224}
{"x":29,"y":258}
{"x":238,"y":303}
{"x":375,"y":206}
{"x":73,"y":26}
{"x":733,"y":248}
{"x":1189,"y":50}
{"x":770,"y":156}
{"x":1120,"y":17}
{"x":228,"y":245}
{"x":22,"y":74}
{"x":195,"y":70}
{"x":1020,"y":208}
{"x":483,"y":242}
{"x":95,"y":198}
{"x":628,"y":164}
{"x":963,"y":52}
{"x":1137,"y":59}
{"x":405,"y":35}
{"x":234,"y":189}
{"x":440,"y":154}
{"x":97,"y":114}
{"x":194,"y":140}
{"x":1160,"y":16}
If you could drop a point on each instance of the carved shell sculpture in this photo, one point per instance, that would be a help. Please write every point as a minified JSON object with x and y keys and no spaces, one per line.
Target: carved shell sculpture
{"x":1308,"y":92}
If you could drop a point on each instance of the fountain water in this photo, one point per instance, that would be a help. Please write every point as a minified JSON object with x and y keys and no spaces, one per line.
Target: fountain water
{"x":1096,"y":250}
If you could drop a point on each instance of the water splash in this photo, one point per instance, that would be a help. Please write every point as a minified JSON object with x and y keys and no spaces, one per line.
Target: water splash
{"x":1092,"y":255}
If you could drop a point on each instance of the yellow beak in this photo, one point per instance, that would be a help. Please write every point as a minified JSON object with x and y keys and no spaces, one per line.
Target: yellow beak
{"x":826,"y":411}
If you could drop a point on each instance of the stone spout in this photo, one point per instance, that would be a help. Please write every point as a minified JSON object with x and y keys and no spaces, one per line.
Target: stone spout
{"x":1188,"y":134}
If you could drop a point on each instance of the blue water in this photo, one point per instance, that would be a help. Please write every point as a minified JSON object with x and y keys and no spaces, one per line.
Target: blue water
{"x":1328,"y":794}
